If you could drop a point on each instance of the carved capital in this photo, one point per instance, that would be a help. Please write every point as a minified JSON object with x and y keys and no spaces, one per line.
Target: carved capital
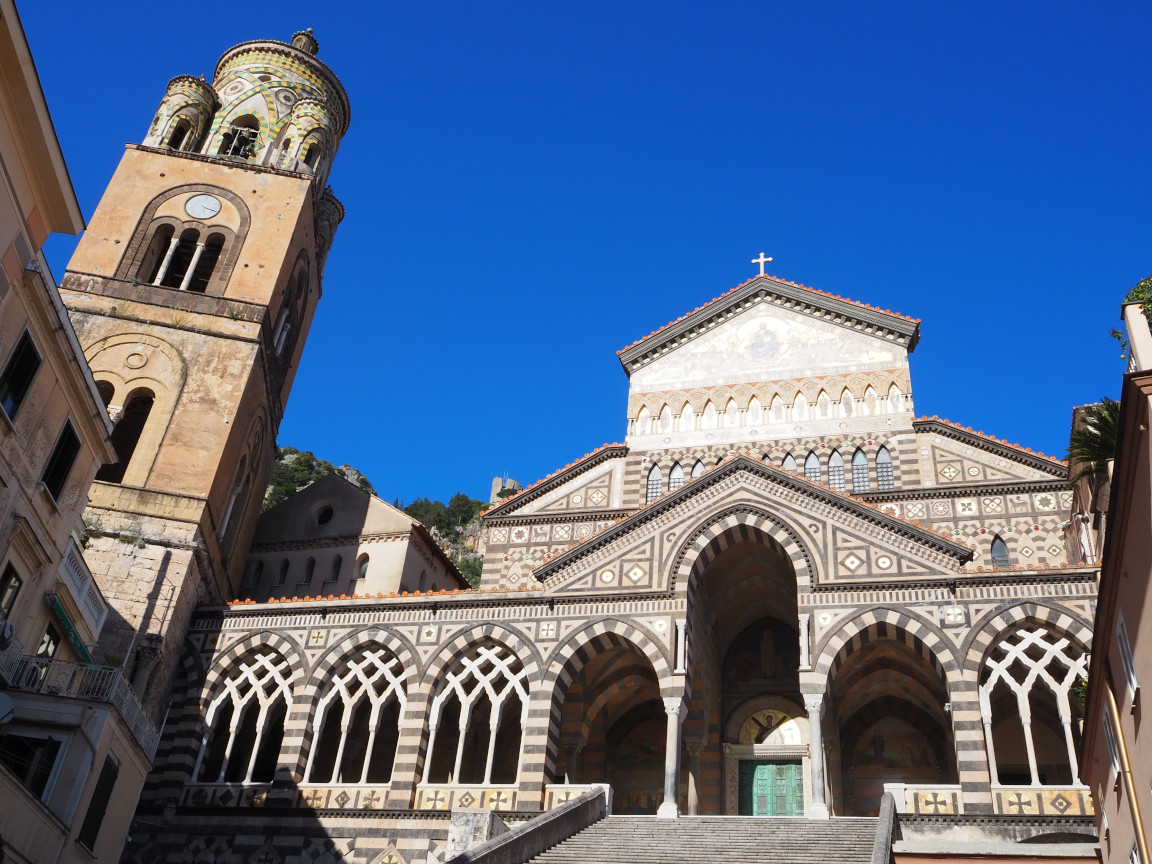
{"x":814,"y":702}
{"x":675,"y":707}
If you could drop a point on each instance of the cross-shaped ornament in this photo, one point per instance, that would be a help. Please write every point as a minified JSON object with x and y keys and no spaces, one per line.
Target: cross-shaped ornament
{"x":762,"y":260}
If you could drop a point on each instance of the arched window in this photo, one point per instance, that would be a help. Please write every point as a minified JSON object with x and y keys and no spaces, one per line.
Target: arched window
{"x":655,"y":484}
{"x":362,"y":566}
{"x":675,"y":477}
{"x":126,"y":435}
{"x":180,"y":131}
{"x":312,"y":155}
{"x":285,"y":148}
{"x":885,"y":481}
{"x":106,"y":391}
{"x":255,"y":571}
{"x":178,"y":260}
{"x":1024,"y":697}
{"x":1000,"y":553}
{"x":697,"y":469}
{"x":334,"y":570}
{"x":477,"y":719}
{"x":234,"y":506}
{"x":309,"y":570}
{"x":423,"y":583}
{"x":206,"y":256}
{"x":281,"y":575}
{"x":149,"y":271}
{"x":789,"y":463}
{"x":246,"y":722}
{"x":836,"y":471}
{"x":860,"y":481}
{"x":358,"y":720}
{"x":812,"y":468}
{"x":241,"y":138}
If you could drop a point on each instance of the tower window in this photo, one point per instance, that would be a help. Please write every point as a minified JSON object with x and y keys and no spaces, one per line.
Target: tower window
{"x":362,"y":567}
{"x":156,"y":255}
{"x":240,"y":140}
{"x":179,"y":134}
{"x":126,"y":435}
{"x":60,"y":462}
{"x":312,"y":156}
{"x":18,"y":375}
{"x":205,"y":262}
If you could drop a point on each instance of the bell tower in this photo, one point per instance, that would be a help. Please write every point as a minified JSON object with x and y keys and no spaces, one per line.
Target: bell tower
{"x":192,"y":292}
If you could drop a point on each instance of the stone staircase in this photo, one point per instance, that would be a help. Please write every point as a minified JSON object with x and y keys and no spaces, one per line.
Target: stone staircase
{"x":717,"y":840}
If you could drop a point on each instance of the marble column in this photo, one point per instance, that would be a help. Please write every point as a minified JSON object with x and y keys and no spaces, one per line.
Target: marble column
{"x":818,"y":806}
{"x":670,"y":809}
{"x":694,"y":745}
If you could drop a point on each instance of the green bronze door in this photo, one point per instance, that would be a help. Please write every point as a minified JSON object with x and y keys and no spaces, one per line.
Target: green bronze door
{"x":771,"y":788}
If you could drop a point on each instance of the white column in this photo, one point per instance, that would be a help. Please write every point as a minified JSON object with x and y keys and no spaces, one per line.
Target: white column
{"x":1026,"y":722}
{"x":986,"y":716}
{"x":670,"y":808}
{"x":493,"y":728}
{"x":805,"y":640}
{"x":1066,"y":722}
{"x":172,"y":244}
{"x":432,"y":724}
{"x":191,"y":267}
{"x":465,"y":714}
{"x":817,"y":807}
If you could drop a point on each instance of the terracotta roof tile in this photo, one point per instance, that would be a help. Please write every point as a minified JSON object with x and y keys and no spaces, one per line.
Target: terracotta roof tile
{"x":573,"y":464}
{"x":992,"y":438}
{"x":775,"y":279}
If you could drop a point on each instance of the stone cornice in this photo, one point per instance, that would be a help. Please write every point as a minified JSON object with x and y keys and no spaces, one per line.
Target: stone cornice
{"x":553,"y":517}
{"x":845,"y":313}
{"x":960,"y":580}
{"x":999,"y":488}
{"x":542,"y":487}
{"x":327,"y":542}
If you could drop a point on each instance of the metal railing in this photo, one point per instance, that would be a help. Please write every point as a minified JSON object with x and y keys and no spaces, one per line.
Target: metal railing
{"x":30,"y":674}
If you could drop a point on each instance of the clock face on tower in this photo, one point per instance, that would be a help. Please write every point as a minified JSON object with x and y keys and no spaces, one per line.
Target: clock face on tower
{"x":202,"y":207}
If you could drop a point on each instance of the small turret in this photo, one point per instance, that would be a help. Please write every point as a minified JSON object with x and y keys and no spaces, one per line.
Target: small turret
{"x":306,"y":42}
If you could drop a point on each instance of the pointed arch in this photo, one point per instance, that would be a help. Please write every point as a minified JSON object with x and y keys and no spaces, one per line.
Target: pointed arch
{"x":885,"y":477}
{"x":788,"y":463}
{"x":998,"y":552}
{"x":871,"y":402}
{"x":731,"y":414}
{"x":836,"y":471}
{"x":698,"y":469}
{"x":655,"y":485}
{"x":860,"y":481}
{"x":708,"y":417}
{"x":895,"y":399}
{"x":776,"y":411}
{"x":823,"y":405}
{"x":675,"y":477}
{"x":812,"y":468}
{"x":664,"y":424}
{"x":847,"y":404}
{"x":643,"y":421}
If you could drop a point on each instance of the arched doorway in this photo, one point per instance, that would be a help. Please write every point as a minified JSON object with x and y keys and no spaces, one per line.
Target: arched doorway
{"x":888,"y":701}
{"x":745,"y":647}
{"x":613,"y":726}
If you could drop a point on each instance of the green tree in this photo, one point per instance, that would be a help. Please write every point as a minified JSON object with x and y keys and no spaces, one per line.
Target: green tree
{"x":1090,"y":447}
{"x":471,"y":566}
{"x":1140,"y":293}
{"x":294,"y":469}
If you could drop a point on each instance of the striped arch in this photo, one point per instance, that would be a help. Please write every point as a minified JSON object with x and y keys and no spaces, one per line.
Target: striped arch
{"x":449,"y":652}
{"x":1004,"y":618}
{"x":184,"y":725}
{"x":291,"y":650}
{"x":738,"y":524}
{"x":403,"y":649}
{"x":882,"y":622}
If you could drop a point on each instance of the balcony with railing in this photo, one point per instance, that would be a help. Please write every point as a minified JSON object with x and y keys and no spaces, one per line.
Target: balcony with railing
{"x":89,"y":683}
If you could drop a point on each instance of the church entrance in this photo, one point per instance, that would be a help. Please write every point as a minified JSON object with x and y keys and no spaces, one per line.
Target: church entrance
{"x":769,"y":788}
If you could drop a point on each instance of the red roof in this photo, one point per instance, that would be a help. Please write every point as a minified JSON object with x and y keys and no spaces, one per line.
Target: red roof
{"x":775,"y":279}
{"x":992,"y":438}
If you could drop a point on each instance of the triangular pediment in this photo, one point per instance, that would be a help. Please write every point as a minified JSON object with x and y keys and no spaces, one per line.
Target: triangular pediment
{"x":847,"y":540}
{"x":781,"y":329}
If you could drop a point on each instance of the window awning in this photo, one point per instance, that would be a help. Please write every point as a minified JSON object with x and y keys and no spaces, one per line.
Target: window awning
{"x":69,"y":627}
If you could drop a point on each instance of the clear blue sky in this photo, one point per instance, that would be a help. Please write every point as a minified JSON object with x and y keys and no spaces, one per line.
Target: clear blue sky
{"x":532,"y":186}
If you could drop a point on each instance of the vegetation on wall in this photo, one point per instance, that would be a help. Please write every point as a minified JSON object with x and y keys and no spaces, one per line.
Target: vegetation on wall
{"x":295,"y":469}
{"x":1140,"y":293}
{"x":450,"y":519}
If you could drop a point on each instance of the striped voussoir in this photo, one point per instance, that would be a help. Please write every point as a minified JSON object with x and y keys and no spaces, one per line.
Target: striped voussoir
{"x":922,"y":636}
{"x":1010,"y":616}
{"x":739,"y":524}
{"x":264,"y":640}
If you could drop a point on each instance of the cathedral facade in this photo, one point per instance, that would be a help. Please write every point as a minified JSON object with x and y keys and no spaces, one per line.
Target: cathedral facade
{"x":782,"y":595}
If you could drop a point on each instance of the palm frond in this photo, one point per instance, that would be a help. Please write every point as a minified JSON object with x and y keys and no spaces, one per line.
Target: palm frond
{"x":1090,"y":447}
